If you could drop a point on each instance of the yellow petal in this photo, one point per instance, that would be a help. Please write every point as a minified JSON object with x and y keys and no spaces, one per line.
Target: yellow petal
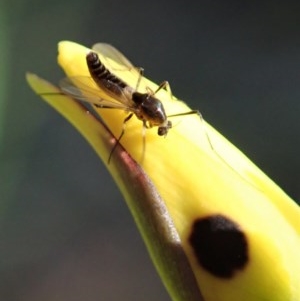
{"x":150,"y":214}
{"x":212,"y":194}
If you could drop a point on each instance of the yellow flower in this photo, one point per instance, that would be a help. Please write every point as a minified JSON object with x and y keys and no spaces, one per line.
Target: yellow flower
{"x":239,"y":231}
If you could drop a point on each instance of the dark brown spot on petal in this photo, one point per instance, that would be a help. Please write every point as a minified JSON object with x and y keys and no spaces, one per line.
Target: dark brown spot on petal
{"x":220,"y":245}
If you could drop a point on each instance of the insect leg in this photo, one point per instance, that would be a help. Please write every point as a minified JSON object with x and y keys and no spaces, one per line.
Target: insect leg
{"x":120,"y":137}
{"x":196,"y":112}
{"x":141,"y":74}
{"x":165,"y":85}
{"x":144,"y":140}
{"x":209,"y":140}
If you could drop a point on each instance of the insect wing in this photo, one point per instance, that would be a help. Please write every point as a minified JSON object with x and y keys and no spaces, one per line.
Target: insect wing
{"x":81,"y":88}
{"x":114,"y":54}
{"x":111,"y":52}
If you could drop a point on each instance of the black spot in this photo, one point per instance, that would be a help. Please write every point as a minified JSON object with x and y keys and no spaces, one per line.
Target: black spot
{"x":220,"y":245}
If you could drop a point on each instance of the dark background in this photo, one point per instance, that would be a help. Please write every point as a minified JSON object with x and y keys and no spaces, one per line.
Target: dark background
{"x":66,"y":233}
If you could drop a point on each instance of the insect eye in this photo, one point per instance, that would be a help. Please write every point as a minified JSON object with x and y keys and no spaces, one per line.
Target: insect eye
{"x":162,"y":131}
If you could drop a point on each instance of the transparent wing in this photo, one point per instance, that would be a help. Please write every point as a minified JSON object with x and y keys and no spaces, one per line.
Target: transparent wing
{"x":113,"y":53}
{"x":80,"y":88}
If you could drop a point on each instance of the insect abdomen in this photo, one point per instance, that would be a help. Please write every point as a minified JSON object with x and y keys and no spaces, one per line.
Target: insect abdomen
{"x":100,"y":73}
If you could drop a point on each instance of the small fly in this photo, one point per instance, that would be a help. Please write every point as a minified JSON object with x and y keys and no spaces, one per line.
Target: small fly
{"x":145,"y":106}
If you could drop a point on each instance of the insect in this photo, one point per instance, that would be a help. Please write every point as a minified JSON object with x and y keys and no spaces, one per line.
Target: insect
{"x":145,"y":106}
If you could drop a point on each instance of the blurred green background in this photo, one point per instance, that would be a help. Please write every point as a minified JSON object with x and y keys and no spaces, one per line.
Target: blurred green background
{"x":66,"y":233}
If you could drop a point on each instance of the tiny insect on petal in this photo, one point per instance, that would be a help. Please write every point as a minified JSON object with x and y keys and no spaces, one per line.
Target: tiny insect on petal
{"x":119,"y":95}
{"x":150,"y":214}
{"x":240,"y":232}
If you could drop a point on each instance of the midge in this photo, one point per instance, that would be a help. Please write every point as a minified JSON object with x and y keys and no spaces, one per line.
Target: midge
{"x":145,"y":106}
